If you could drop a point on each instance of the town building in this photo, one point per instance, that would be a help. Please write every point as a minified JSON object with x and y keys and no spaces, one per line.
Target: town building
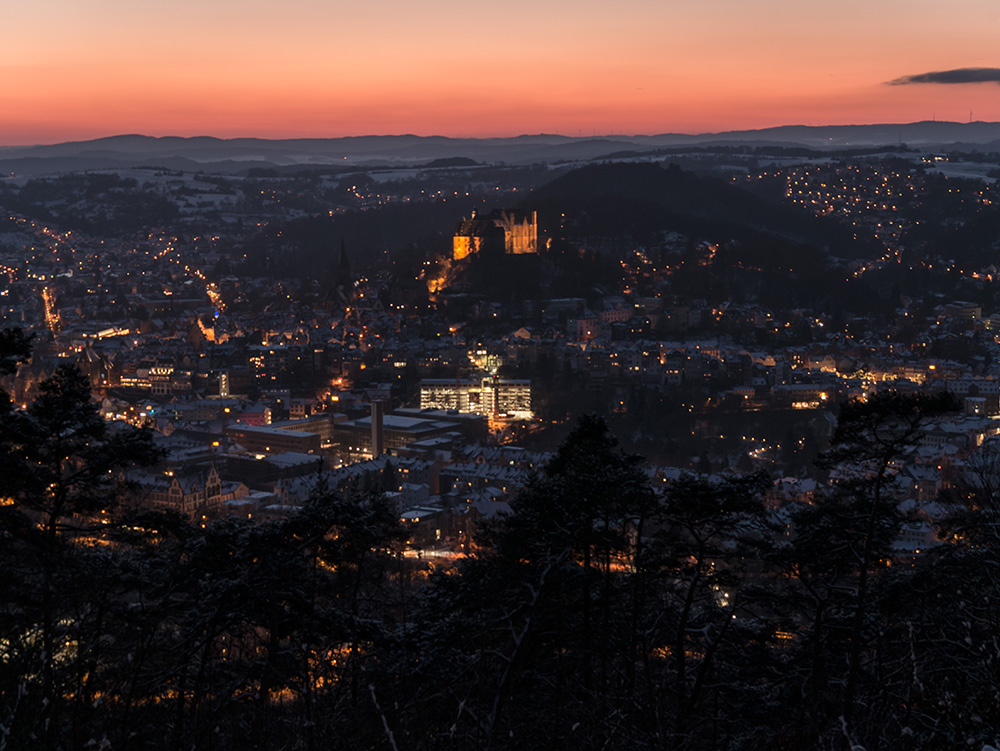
{"x":489,"y":395}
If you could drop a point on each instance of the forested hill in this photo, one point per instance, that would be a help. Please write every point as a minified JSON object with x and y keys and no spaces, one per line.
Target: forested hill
{"x":649,"y":198}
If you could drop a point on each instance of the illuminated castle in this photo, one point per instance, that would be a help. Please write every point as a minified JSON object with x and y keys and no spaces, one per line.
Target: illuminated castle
{"x":501,"y":232}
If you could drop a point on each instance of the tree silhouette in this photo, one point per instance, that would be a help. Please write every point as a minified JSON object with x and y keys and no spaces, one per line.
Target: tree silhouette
{"x":60,"y":460}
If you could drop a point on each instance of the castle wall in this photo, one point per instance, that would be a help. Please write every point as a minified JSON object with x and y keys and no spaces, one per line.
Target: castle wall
{"x":477,"y":235}
{"x":520,"y":237}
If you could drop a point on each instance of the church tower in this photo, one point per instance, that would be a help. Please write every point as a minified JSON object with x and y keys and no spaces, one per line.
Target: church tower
{"x":343,"y":280}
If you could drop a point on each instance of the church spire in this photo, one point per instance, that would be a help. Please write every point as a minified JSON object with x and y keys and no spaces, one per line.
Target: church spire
{"x":344,"y":279}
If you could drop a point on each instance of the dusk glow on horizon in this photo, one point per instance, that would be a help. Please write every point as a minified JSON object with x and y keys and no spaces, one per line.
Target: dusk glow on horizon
{"x":306,"y":68}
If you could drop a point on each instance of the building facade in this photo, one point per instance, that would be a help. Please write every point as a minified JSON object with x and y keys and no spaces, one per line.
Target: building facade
{"x":500,"y":398}
{"x":502,"y":231}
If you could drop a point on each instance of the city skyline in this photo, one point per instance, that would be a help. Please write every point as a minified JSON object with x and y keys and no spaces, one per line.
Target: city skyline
{"x":447,"y":68}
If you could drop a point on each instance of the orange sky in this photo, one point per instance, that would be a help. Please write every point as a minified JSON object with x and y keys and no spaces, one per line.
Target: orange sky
{"x":316,"y":68}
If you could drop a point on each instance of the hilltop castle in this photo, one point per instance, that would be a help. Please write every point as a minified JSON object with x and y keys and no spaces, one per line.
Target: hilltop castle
{"x":503,"y":231}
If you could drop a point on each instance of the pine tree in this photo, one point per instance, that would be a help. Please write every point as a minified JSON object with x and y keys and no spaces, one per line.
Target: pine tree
{"x":702,"y":562}
{"x":60,"y":460}
{"x":836,"y":561}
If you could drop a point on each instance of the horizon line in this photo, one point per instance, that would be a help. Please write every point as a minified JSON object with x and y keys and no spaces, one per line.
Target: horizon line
{"x":578,"y":137}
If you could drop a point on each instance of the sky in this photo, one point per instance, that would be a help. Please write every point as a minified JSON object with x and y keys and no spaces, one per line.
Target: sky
{"x":72,"y":70}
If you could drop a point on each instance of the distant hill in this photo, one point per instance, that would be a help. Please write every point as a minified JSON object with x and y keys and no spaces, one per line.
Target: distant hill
{"x":640,"y":198}
{"x":677,"y":189}
{"x":237,"y":154}
{"x":451,"y":161}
